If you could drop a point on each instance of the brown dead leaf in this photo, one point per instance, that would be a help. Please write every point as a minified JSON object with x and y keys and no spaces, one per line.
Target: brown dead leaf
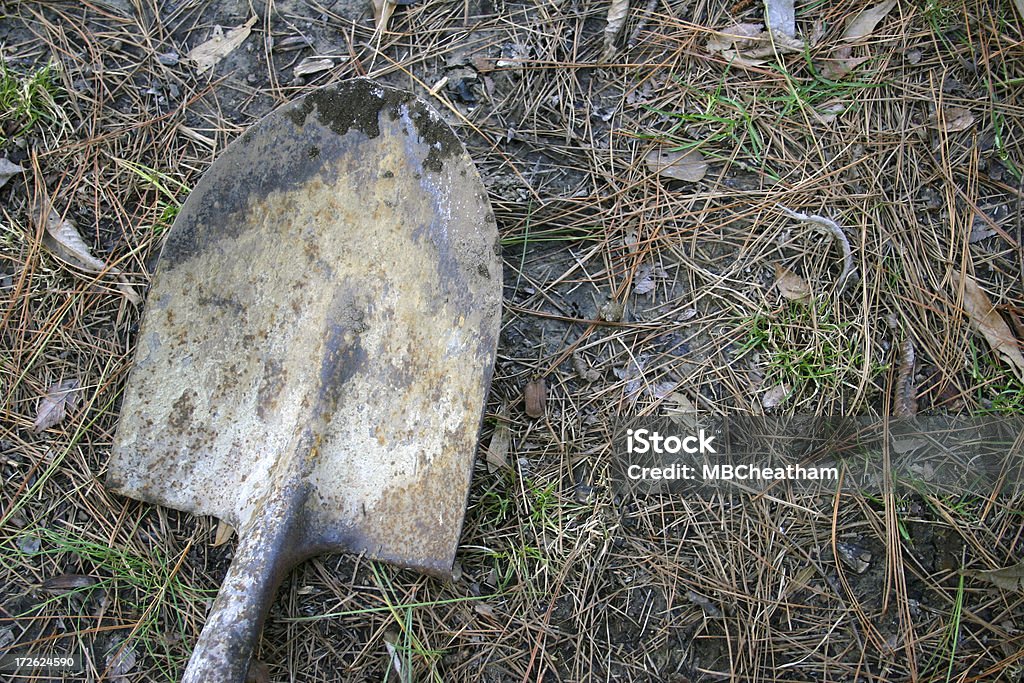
{"x":1007,"y":578}
{"x":985,"y":319}
{"x":497,"y":449}
{"x":687,"y":165}
{"x":791,"y":285}
{"x":841,"y":60}
{"x":223,"y":534}
{"x":207,"y":54}
{"x":739,"y":36}
{"x":775,"y":396}
{"x":60,"y":399}
{"x":583,"y":370}
{"x":484,"y":610}
{"x":66,"y":583}
{"x":952,"y":119}
{"x":840,"y":63}
{"x":864,"y":23}
{"x":535,"y":396}
{"x":618,"y":11}
{"x":63,"y":240}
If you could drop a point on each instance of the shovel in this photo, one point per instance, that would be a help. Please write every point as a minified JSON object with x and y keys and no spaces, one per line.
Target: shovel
{"x":316,"y":351}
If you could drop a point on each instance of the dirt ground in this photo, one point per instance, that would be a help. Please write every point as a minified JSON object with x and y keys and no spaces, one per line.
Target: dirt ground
{"x":843,"y":238}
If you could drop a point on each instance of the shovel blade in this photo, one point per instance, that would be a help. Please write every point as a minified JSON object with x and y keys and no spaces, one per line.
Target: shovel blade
{"x":334,"y":274}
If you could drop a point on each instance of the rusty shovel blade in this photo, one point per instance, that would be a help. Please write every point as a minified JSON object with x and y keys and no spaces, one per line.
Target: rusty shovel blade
{"x":316,"y":350}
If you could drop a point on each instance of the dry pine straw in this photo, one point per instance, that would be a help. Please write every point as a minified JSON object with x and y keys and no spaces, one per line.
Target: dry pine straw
{"x":560,"y":579}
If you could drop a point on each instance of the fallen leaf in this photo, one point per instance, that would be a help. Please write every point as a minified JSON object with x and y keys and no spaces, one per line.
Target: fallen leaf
{"x":223,"y":534}
{"x":740,"y":36}
{"x":382,"y":11}
{"x":1007,"y":578}
{"x":840,"y":63}
{"x":584,"y":371}
{"x":206,"y":55}
{"x":704,"y":603}
{"x":65,"y":583}
{"x":987,"y":320}
{"x":257,"y":673}
{"x":644,"y":280}
{"x":63,"y":240}
{"x":484,"y":610}
{"x":687,"y":165}
{"x":780,"y":15}
{"x":497,"y":449}
{"x":618,"y":11}
{"x":864,"y":23}
{"x":683,"y":413}
{"x":775,"y":396}
{"x":841,"y":60}
{"x":1019,"y":4}
{"x":535,"y":396}
{"x":60,"y":399}
{"x":313,"y":65}
{"x":8,"y":170}
{"x":952,"y":119}
{"x":791,"y":285}
{"x":121,"y":659}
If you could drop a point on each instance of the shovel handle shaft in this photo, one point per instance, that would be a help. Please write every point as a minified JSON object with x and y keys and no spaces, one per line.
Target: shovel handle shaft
{"x":232,"y":631}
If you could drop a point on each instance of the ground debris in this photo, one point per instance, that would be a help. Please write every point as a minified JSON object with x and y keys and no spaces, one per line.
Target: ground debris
{"x":313,"y":65}
{"x":497,"y":449}
{"x":60,"y":399}
{"x":64,"y":241}
{"x":1008,"y":578}
{"x":535,"y":397}
{"x":206,"y":55}
{"x":951,"y":119}
{"x":776,"y":396}
{"x":618,"y":11}
{"x":382,"y":11}
{"x":790,"y":285}
{"x":985,"y":319}
{"x":121,"y":659}
{"x":780,"y":15}
{"x":66,"y":583}
{"x":8,"y":170}
{"x":223,"y":533}
{"x":687,"y":165}
{"x":841,"y":61}
{"x":853,"y":556}
{"x":829,"y":227}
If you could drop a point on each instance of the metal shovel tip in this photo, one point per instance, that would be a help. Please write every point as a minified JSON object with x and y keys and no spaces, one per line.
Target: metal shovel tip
{"x":319,"y":337}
